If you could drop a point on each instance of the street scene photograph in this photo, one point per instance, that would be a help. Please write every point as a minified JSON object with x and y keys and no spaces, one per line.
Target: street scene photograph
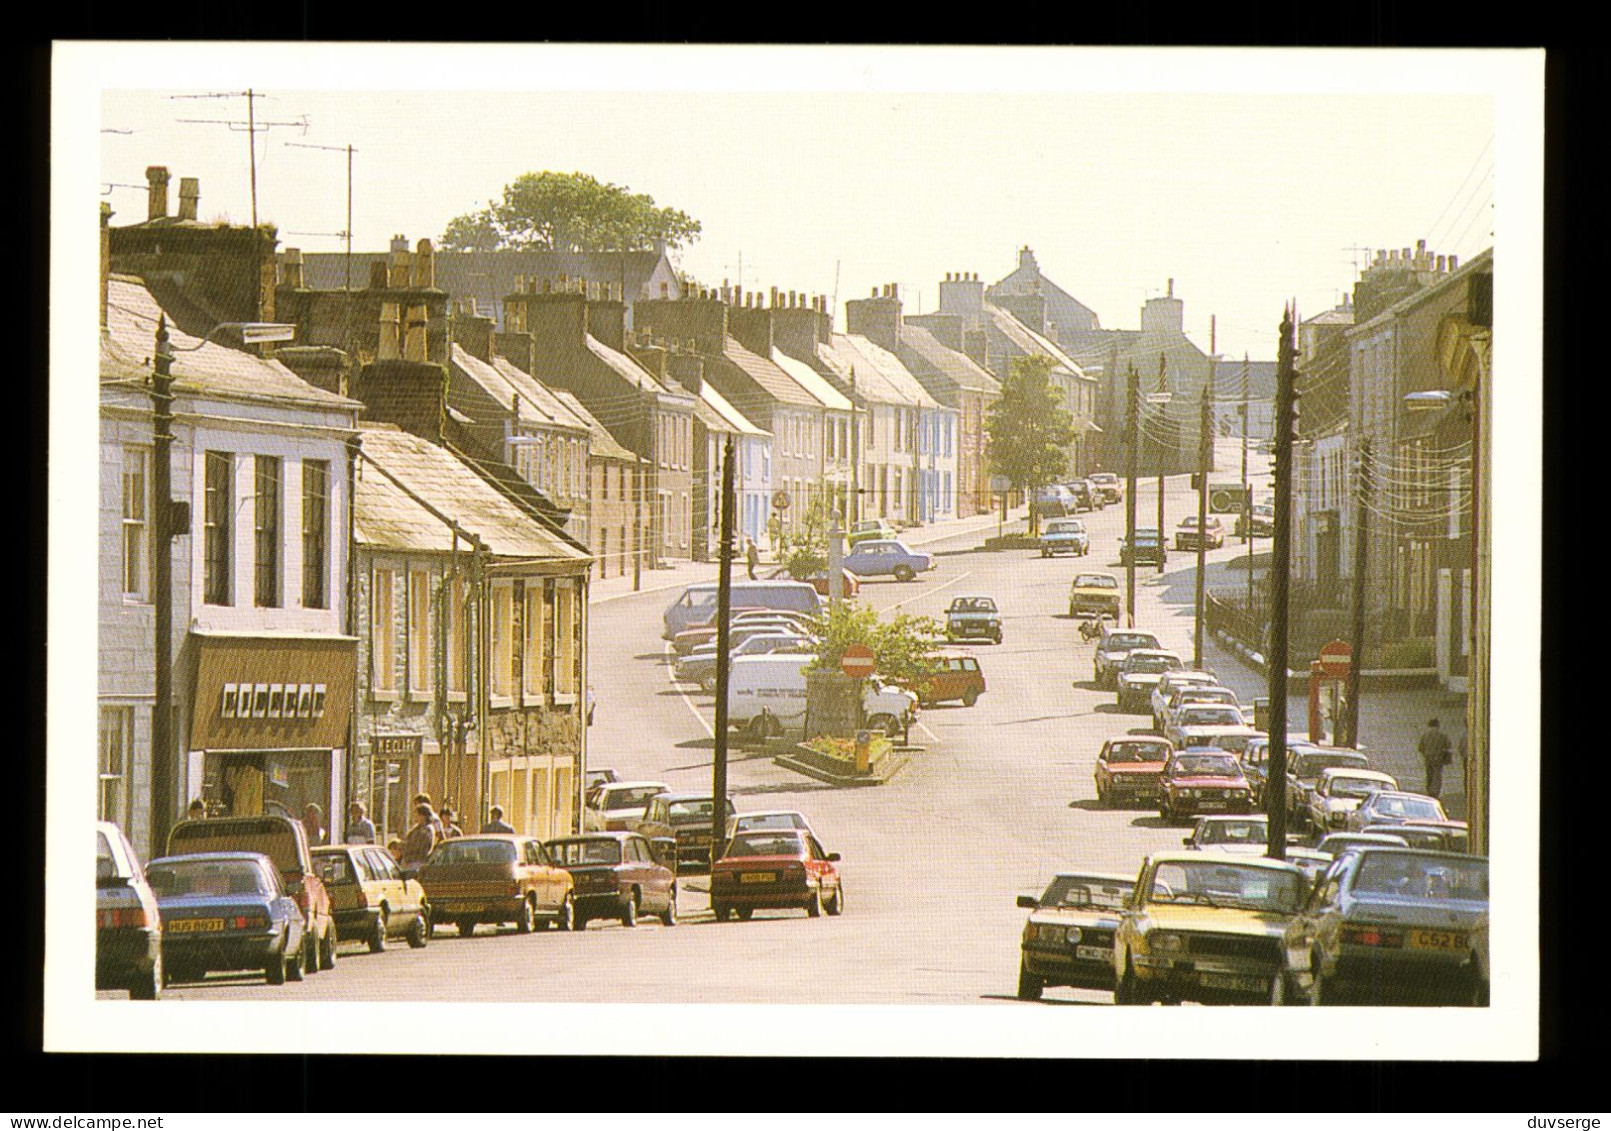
{"x":951,"y":536}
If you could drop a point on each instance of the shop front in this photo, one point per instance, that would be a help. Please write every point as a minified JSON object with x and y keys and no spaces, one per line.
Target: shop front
{"x":269,"y":725}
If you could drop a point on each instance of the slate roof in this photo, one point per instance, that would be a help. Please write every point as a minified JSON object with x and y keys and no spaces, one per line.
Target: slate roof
{"x":812,"y":381}
{"x":925,"y":356}
{"x":1028,"y":341}
{"x":729,"y":418}
{"x":880,"y":376}
{"x":1027,"y":278}
{"x":502,"y":380}
{"x":385,"y":516}
{"x":129,"y":341}
{"x":622,"y":365}
{"x":603,"y":444}
{"x":764,"y":373}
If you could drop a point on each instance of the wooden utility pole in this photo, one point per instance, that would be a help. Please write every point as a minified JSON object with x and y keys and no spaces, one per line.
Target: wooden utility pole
{"x":724,"y":607}
{"x":1275,"y":797}
{"x":1130,"y":499}
{"x":1361,"y":517}
{"x":164,"y":758}
{"x":1163,"y":458}
{"x":1205,"y":464}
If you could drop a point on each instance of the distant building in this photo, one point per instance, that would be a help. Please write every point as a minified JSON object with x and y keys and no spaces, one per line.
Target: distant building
{"x":1040,"y":303}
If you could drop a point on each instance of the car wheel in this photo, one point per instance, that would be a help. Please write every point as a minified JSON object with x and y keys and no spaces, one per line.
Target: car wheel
{"x":1282,"y":991}
{"x":969,"y":698}
{"x":418,"y":933}
{"x":327,"y":954}
{"x":836,"y":905}
{"x":629,"y":910}
{"x":274,"y":970}
{"x":527,"y":919}
{"x":719,"y":911}
{"x":566,"y":919}
{"x":744,"y":913}
{"x":903,"y":573}
{"x":466,"y":928}
{"x":813,"y":906}
{"x":377,"y":933}
{"x":1029,"y":985}
{"x":310,"y":952}
{"x":1071,"y":612}
{"x":998,"y":638}
{"x":1101,"y":795}
{"x":668,"y":917}
{"x":1044,"y":554}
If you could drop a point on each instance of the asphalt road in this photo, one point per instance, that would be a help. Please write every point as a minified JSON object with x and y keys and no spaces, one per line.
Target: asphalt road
{"x":932,"y":860}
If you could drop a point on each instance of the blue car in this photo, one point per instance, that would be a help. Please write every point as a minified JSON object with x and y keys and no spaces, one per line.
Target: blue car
{"x":886,"y":557}
{"x":1064,"y":536}
{"x":226,"y":911}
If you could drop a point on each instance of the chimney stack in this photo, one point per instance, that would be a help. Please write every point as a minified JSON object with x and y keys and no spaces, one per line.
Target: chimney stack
{"x":401,"y":272}
{"x":291,"y":268}
{"x":414,"y":344}
{"x":156,"y":179}
{"x":424,"y":265}
{"x":1454,"y":261}
{"x":189,"y":196}
{"x":377,"y":275}
{"x":1443,"y":264}
{"x":399,"y":243}
{"x":390,"y":346}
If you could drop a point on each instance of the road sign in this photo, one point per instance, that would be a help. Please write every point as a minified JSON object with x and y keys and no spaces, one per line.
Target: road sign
{"x":1335,"y":659}
{"x":857,"y":661}
{"x":780,"y":500}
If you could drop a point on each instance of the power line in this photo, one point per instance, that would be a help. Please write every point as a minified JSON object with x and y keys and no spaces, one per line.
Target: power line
{"x":1431,"y":232}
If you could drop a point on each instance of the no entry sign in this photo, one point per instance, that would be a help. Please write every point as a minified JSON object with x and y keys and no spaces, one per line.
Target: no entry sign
{"x":857,"y":661}
{"x":1335,"y":659}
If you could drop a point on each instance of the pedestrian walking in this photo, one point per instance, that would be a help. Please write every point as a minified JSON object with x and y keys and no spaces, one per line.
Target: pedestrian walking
{"x":752,"y":555}
{"x":1434,"y":748}
{"x":497,"y":824}
{"x":420,"y":840}
{"x":360,"y":829}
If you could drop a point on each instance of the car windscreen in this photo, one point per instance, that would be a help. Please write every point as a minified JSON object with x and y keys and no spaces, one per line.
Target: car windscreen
{"x":1087,"y":892}
{"x":1217,"y":765}
{"x":1216,"y":883}
{"x":1138,"y":752}
{"x":1354,"y":787}
{"x":1233,"y":832}
{"x":1310,"y":765}
{"x":766,"y":844}
{"x":1398,"y":805}
{"x":762,"y":821}
{"x":1119,"y":641}
{"x":570,"y":853}
{"x":1422,"y":877}
{"x":1149,"y":664}
{"x":462,"y":851}
{"x":207,"y":877}
{"x":690,"y":810}
{"x":1065,"y":527}
{"x":1095,"y":581}
{"x":635,"y":798}
{"x":1209,"y":717}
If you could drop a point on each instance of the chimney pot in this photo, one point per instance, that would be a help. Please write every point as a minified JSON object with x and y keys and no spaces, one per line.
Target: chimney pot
{"x":293,"y":268}
{"x":1420,"y":247}
{"x":1454,"y":261}
{"x":156,"y":179}
{"x":399,"y":243}
{"x":1171,"y":288}
{"x":189,"y":196}
{"x":1442,"y":263}
{"x":875,"y":292}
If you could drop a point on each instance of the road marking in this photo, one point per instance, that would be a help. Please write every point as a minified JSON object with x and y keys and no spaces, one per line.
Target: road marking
{"x":672,"y":655}
{"x":930,"y":592}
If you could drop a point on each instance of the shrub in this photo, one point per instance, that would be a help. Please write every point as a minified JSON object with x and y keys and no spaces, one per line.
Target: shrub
{"x":1417,"y":652}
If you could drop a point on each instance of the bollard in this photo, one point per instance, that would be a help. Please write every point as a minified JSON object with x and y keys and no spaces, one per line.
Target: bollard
{"x":864,"y":742}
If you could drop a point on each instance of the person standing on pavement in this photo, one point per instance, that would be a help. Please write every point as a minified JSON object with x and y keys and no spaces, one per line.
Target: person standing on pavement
{"x":497,"y":824}
{"x":360,"y":829}
{"x":420,"y":840}
{"x":313,"y":821}
{"x":752,"y":555}
{"x":436,"y":822}
{"x":450,"y":826}
{"x":1434,"y":748}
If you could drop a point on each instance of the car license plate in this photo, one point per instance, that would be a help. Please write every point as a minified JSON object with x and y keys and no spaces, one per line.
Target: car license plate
{"x":460,"y":906}
{"x":1211,"y":805}
{"x":1097,"y":953}
{"x":1439,"y":940}
{"x":1235,"y":982}
{"x":756,"y":877}
{"x":186,"y":926}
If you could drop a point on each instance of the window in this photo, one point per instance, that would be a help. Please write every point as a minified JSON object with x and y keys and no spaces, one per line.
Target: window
{"x":419,"y":631}
{"x":455,"y":639}
{"x":315,"y":533}
{"x":503,"y":653}
{"x":136,"y":535}
{"x":567,"y":640}
{"x":117,"y":744}
{"x":535,"y":658}
{"x":382,"y":656}
{"x":218,"y":547}
{"x":266,"y":512}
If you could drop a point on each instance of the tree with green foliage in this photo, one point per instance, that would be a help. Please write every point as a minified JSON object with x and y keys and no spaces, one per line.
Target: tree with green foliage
{"x":1029,"y":430}
{"x":804,"y":549}
{"x":574,"y":212}
{"x":902,"y":646}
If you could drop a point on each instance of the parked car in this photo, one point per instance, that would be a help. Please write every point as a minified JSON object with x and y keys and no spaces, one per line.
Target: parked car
{"x":1395,"y":807}
{"x":1389,"y":925}
{"x":767,"y":820}
{"x":1130,"y":770}
{"x":617,"y":876}
{"x":1167,"y":714}
{"x":819,"y":580}
{"x":973,"y":618}
{"x":1243,"y":836}
{"x":1149,"y":548}
{"x":1140,"y":673}
{"x":594,"y":780}
{"x":226,"y":911}
{"x":1169,"y":683}
{"x":617,"y":806}
{"x":1335,"y":844}
{"x":128,"y":924}
{"x":954,"y":677}
{"x":766,"y":696}
{"x":1198,"y":781}
{"x":1115,"y":645}
{"x":749,"y":622}
{"x":699,"y":666}
{"x":1064,"y":536}
{"x":886,"y":558}
{"x":1109,"y":484}
{"x":1055,"y":501}
{"x":1094,"y":595}
{"x":283,"y":840}
{"x":1339,"y":791}
{"x":1256,"y":759}
{"x":685,"y":818}
{"x":1197,"y":724}
{"x":1186,"y":535}
{"x":1084,"y":499}
{"x":779,"y":868}
{"x":1068,"y":940}
{"x":1204,"y":927}
{"x":697,"y":604}
{"x":497,"y":878}
{"x":1262,"y":522}
{"x":1233,"y":739}
{"x":1304,"y":768}
{"x":870,"y":530}
{"x":371,"y":898}
{"x":1440,"y":836}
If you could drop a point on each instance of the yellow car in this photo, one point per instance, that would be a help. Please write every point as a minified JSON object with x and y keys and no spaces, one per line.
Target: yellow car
{"x":1094,"y":595}
{"x":370,"y":897}
{"x":1205,"y":926}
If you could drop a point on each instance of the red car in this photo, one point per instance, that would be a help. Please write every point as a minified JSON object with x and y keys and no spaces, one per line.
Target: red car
{"x":819,"y":581}
{"x":1131,"y":769}
{"x":775,"y":868}
{"x":1201,"y":780}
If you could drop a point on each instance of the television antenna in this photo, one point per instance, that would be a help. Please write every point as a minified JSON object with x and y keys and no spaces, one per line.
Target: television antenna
{"x":347,"y":233}
{"x":251,"y":127}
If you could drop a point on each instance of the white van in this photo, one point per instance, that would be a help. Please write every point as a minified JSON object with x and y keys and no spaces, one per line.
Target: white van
{"x":697,"y":605}
{"x":766,"y":695}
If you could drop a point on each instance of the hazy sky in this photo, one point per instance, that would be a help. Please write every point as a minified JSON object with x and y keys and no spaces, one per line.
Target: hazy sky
{"x":1244,"y":199}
